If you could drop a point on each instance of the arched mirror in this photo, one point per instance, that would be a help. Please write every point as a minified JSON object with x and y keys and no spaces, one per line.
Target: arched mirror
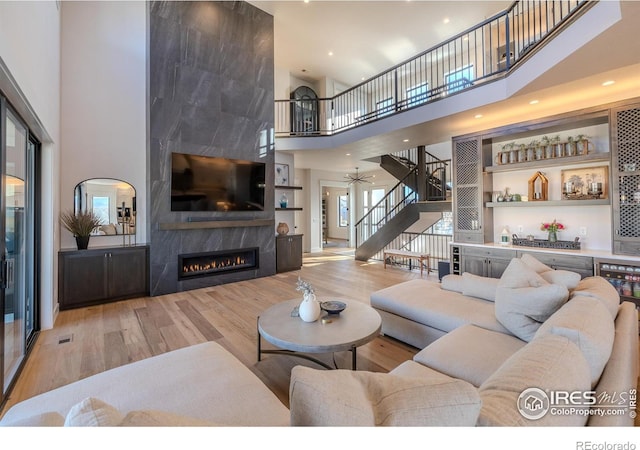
{"x":114,"y":201}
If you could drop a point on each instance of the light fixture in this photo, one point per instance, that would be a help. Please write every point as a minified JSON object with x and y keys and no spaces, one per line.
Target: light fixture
{"x":534,"y":102}
{"x":405,"y":140}
{"x":608,"y":83}
{"x":347,"y":154}
{"x":478,"y":116}
{"x":330,"y":53}
{"x":357,"y":178}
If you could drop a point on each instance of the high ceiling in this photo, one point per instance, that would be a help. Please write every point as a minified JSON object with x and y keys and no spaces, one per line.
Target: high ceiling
{"x":365,"y":37}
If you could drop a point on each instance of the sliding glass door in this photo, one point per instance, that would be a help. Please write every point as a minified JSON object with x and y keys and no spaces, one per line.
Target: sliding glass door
{"x":17,"y":236}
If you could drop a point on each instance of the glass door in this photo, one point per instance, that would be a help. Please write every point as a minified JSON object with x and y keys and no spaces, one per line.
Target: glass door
{"x":17,"y":227}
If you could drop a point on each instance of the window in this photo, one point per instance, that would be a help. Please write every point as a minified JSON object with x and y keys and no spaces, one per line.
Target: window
{"x":384,"y":107}
{"x":343,"y":210}
{"x":459,"y":79}
{"x":100,"y":207}
{"x":417,"y":94}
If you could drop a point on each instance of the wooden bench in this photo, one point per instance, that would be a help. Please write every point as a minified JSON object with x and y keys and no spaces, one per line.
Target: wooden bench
{"x":423,"y":259}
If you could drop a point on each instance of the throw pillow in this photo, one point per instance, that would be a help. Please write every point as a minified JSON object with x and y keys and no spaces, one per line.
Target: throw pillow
{"x":566,"y":278}
{"x":524,"y":299}
{"x":535,"y":264}
{"x":600,"y":289}
{"x":92,"y":412}
{"x":554,"y":276}
{"x":350,"y":398}
{"x":586,"y":322}
{"x":479,"y":287}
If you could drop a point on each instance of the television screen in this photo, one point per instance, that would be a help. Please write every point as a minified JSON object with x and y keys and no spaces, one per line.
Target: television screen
{"x":204,"y":183}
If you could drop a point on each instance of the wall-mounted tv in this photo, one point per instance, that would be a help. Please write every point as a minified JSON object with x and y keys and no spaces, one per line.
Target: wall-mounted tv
{"x":205,"y":183}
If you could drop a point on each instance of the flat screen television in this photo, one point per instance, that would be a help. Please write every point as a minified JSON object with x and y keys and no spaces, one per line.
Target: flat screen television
{"x":205,"y":183}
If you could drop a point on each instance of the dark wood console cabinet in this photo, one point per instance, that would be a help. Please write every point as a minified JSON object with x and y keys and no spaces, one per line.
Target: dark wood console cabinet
{"x":288,"y":252}
{"x":100,"y":275}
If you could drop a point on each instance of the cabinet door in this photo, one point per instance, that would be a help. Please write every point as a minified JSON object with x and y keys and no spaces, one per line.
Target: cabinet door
{"x":83,"y":278}
{"x":288,"y":253}
{"x":468,"y":205}
{"x":625,"y":148}
{"x":476,"y":265}
{"x":127,"y":272}
{"x":496,"y":267}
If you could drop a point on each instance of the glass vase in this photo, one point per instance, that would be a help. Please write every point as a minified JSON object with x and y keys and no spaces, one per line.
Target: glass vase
{"x":553,"y":236}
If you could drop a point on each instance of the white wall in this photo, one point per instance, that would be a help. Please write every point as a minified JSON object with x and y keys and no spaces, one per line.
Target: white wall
{"x":30,"y":49}
{"x":103,"y":102}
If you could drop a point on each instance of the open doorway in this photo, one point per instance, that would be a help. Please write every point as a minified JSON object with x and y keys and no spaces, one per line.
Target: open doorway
{"x":336,"y":220}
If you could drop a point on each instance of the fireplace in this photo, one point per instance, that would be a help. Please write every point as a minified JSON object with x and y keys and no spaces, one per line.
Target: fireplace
{"x":194,"y":265}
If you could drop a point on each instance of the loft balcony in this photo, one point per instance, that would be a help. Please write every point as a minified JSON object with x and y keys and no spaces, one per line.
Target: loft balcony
{"x":484,"y":53}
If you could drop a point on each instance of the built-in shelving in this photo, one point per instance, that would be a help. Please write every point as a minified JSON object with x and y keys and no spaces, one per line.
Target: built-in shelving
{"x":552,"y":162}
{"x":288,"y":209}
{"x":597,"y":201}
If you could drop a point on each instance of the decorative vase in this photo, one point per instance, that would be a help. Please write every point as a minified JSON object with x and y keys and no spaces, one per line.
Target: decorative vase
{"x":282,"y":229}
{"x":553,"y":236}
{"x":309,"y":309}
{"x":284,"y":201}
{"x":82,"y":242}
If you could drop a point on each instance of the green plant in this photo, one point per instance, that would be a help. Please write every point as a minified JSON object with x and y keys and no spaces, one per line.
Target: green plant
{"x":80,"y":224}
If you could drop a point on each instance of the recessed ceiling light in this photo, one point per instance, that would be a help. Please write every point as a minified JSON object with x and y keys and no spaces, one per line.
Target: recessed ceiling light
{"x":446,"y":20}
{"x":306,"y":1}
{"x":405,"y":140}
{"x":348,"y":154}
{"x":478,"y":116}
{"x":534,"y":102}
{"x":330,"y":53}
{"x":608,"y":83}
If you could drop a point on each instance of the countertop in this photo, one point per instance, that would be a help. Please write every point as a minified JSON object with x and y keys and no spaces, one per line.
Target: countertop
{"x":600,"y":254}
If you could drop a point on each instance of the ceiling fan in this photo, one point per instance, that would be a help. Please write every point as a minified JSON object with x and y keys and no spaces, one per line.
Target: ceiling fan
{"x":357,"y":178}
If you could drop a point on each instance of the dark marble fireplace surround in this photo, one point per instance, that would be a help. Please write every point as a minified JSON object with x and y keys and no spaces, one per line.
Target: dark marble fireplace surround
{"x":211,"y":94}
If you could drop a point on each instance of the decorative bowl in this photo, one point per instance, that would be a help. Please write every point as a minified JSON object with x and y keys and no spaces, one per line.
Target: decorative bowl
{"x":333,"y":306}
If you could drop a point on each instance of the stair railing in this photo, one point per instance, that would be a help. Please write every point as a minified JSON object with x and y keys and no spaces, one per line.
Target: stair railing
{"x":388,"y":207}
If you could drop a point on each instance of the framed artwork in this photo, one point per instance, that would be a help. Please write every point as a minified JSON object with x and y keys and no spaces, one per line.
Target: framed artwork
{"x":586,"y":183}
{"x":282,"y":174}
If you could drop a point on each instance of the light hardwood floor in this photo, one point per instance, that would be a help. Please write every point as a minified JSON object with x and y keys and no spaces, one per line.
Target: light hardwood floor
{"x":110,"y":335}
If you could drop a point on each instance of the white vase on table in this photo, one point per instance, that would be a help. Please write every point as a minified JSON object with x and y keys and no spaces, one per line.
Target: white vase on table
{"x":309,"y":309}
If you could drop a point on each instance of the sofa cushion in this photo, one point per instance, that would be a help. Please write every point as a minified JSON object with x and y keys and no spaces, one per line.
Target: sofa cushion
{"x":599,"y":288}
{"x":469,"y":353}
{"x":587,"y":323}
{"x":524,"y":299}
{"x":425,"y":302}
{"x":202,"y":381}
{"x":554,"y":276}
{"x":153,"y":418}
{"x":452,"y":282}
{"x":549,"y":363}
{"x":621,"y":372}
{"x":350,"y":398}
{"x":46,"y":419}
{"x":480,"y":287}
{"x":93,"y":412}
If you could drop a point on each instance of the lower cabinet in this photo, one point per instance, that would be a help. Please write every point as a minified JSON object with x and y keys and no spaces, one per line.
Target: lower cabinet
{"x":94,"y":276}
{"x":485,"y":262}
{"x":288,"y":252}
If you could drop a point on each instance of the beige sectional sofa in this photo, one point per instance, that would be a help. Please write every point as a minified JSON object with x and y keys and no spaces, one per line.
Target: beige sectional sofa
{"x":494,"y":353}
{"x":491,"y":334}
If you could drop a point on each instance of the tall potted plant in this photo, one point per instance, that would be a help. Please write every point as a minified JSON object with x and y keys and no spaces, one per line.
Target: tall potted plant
{"x":81,"y":225}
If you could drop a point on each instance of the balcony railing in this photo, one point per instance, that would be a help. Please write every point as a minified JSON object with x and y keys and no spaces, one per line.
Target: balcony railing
{"x":473,"y":57}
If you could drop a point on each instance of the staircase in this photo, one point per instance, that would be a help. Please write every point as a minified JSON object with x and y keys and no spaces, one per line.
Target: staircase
{"x":414,"y":205}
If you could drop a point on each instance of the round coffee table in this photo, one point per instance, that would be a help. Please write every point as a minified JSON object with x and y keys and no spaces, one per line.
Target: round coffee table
{"x":355,"y":326}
